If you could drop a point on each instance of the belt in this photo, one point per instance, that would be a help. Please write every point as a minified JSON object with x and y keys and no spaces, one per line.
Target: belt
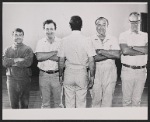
{"x":134,"y":67}
{"x":50,"y":71}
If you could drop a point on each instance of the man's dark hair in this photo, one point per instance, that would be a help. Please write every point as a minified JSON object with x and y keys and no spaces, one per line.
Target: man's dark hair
{"x":101,"y":18}
{"x":18,"y":30}
{"x":75,"y":23}
{"x":49,"y":22}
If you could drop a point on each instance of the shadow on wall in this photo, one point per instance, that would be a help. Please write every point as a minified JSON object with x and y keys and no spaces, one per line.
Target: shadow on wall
{"x":34,"y":68}
{"x":119,"y":66}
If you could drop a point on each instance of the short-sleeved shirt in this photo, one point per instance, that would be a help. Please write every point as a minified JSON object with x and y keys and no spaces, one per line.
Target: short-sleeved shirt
{"x":109,"y":43}
{"x":44,"y":46}
{"x":77,"y":49}
{"x":132,"y":39}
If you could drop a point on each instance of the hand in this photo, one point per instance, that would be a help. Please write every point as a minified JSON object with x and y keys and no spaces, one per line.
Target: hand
{"x":14,"y":64}
{"x":130,"y":47}
{"x":55,"y":52}
{"x":61,"y":80}
{"x":18,"y":59}
{"x":99,"y":51}
{"x":91,"y":83}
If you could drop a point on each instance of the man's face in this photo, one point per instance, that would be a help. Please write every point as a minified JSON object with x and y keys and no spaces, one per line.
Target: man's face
{"x":50,"y":30}
{"x":101,"y":27}
{"x":18,"y":37}
{"x":134,"y":23}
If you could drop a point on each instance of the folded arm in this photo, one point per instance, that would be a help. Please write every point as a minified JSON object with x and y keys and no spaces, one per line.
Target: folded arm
{"x":54,"y":58}
{"x":126,"y":50}
{"x":8,"y":62}
{"x":26,"y":61}
{"x":99,"y":57}
{"x":142,"y":49}
{"x":42,"y":56}
{"x":110,"y":54}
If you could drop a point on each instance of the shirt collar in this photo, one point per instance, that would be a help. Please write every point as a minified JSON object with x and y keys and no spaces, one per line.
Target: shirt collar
{"x":105,"y":40}
{"x":48,"y":41}
{"x":129,"y":31}
{"x":76,"y":32}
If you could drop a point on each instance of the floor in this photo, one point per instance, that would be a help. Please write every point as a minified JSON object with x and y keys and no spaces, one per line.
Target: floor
{"x":35,"y":99}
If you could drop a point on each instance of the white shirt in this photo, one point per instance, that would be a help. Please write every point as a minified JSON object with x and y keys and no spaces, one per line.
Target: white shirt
{"x":132,"y":39}
{"x":76,"y":48}
{"x":109,"y":43}
{"x":44,"y":46}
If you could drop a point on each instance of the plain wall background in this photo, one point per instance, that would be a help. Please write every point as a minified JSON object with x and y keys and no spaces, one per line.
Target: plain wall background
{"x":30,"y":17}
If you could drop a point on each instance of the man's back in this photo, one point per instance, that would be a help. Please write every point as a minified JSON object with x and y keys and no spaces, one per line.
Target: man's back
{"x":76,"y":49}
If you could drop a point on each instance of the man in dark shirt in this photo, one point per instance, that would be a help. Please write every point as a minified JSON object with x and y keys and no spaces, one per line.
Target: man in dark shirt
{"x":17,"y":59}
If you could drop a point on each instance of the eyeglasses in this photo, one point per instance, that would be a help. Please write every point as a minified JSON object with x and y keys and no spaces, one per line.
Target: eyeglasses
{"x":135,"y":22}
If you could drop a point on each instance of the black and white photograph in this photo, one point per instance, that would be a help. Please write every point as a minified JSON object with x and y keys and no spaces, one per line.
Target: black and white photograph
{"x":74,"y":60}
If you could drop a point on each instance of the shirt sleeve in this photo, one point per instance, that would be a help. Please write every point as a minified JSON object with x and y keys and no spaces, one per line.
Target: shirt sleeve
{"x":61,"y":51}
{"x":28,"y":59}
{"x":90,"y":48}
{"x":122,"y":39}
{"x":146,"y":38}
{"x":115,"y":44}
{"x":7,"y":61}
{"x":39,"y":46}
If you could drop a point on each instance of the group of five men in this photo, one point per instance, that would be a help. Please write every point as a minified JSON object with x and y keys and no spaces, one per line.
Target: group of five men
{"x":79,"y":63}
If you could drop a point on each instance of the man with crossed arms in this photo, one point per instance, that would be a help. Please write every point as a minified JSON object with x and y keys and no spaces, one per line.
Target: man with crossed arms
{"x":107,"y":49}
{"x":46,"y":53}
{"x":134,"y":46}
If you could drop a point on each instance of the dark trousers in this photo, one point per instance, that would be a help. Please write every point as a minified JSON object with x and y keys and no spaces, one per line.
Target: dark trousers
{"x":18,"y":92}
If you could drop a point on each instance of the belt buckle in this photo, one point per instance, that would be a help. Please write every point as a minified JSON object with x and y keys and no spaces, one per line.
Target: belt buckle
{"x":134,"y":67}
{"x":142,"y":67}
{"x":51,"y":71}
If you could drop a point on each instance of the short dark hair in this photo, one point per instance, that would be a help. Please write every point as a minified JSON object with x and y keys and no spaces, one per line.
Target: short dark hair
{"x":48,"y":22}
{"x":75,"y":23}
{"x":100,"y":18}
{"x":18,"y":30}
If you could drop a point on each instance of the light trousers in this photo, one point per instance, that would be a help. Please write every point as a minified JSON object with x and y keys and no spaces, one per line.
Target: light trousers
{"x":133,"y":81}
{"x":49,"y":83}
{"x":75,"y":88}
{"x":104,"y":85}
